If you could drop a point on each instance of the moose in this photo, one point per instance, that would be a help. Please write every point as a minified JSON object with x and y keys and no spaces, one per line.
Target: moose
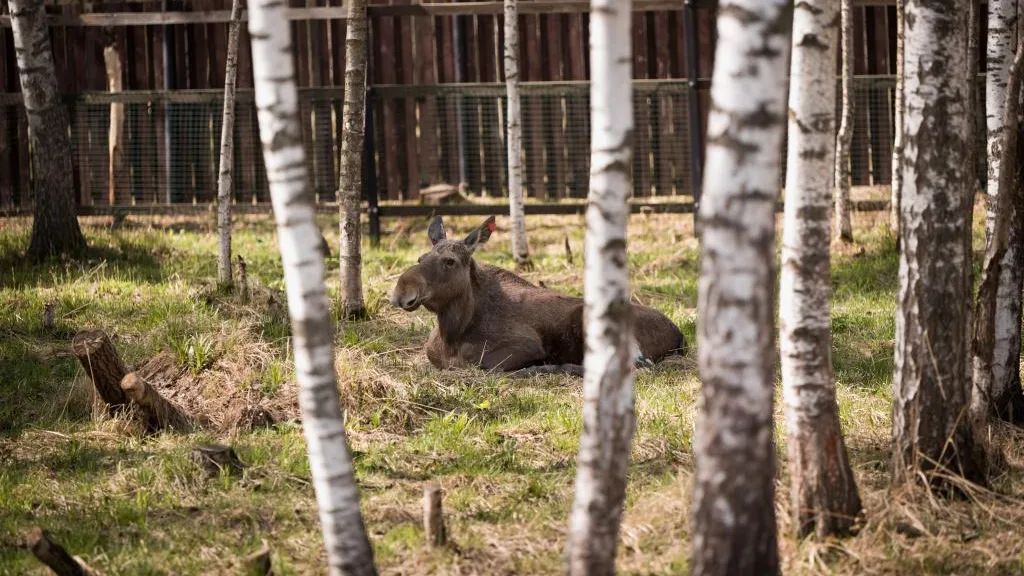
{"x":493,"y":319}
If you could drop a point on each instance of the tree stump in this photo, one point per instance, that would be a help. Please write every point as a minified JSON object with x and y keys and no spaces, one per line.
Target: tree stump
{"x":213,"y":458}
{"x":157,"y":411}
{"x":433,"y":516}
{"x":104,"y":366}
{"x":54,"y":555}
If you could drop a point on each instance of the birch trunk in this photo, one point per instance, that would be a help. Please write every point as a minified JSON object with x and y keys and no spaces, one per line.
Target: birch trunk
{"x":897,"y":144}
{"x":1006,"y":397}
{"x":608,"y":419}
{"x":823,"y":490}
{"x":227,"y":150}
{"x":350,"y":188}
{"x":734,"y":516}
{"x":995,"y":249}
{"x":843,"y":224}
{"x":112,"y":63}
{"x":55,"y":228}
{"x":931,"y":383}
{"x":345,"y":538}
{"x":520,"y":248}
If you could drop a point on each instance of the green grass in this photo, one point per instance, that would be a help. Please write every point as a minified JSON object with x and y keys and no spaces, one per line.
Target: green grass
{"x":503,"y":450}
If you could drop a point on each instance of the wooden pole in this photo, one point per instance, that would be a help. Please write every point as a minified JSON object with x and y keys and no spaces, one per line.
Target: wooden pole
{"x":433,"y":516}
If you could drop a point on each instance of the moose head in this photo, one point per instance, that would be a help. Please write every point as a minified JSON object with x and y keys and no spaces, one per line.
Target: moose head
{"x":445,"y":274}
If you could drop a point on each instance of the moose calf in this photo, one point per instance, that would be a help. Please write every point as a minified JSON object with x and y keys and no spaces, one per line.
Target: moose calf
{"x":493,"y":319}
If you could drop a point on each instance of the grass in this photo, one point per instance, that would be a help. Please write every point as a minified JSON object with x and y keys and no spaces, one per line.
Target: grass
{"x":504,"y":451}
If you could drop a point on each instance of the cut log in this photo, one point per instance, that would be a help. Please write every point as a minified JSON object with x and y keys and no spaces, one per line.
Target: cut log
{"x":213,"y":458}
{"x":104,"y":366}
{"x":258,"y":563}
{"x":157,"y":411}
{"x":433,"y":516}
{"x":442,"y":194}
{"x":54,"y":555}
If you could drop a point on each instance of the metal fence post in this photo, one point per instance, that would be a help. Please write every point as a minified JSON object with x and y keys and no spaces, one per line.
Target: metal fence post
{"x":370,"y":190}
{"x":693,"y":102}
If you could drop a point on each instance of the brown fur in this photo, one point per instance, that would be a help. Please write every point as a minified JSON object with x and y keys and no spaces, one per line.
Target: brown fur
{"x":493,"y":319}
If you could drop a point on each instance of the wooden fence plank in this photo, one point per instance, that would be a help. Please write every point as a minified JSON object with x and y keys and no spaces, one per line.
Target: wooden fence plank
{"x":642,"y":182}
{"x":860,"y":147}
{"x":555,"y":164}
{"x":530,"y":66}
{"x":574,"y":51}
{"x":405,"y":110}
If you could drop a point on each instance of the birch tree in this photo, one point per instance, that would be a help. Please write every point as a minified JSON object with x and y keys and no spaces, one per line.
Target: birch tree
{"x":931,"y":378}
{"x":996,"y":247}
{"x":55,"y":228}
{"x":733,"y":505}
{"x":350,"y":188}
{"x":345,"y":538}
{"x":520,"y":248}
{"x":608,"y":419}
{"x":227,"y":150}
{"x":1005,"y":389}
{"x":843,"y":224}
{"x":897,"y":144}
{"x":824,"y":493}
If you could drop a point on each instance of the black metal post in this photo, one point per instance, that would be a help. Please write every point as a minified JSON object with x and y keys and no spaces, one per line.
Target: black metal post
{"x":370,"y":191}
{"x":168,"y":63}
{"x":693,"y":102}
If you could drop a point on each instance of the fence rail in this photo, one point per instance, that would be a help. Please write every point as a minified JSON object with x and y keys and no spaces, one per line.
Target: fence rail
{"x":418,"y":142}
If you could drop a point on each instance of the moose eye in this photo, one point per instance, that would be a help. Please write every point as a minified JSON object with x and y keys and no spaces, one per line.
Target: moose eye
{"x":449,"y":262}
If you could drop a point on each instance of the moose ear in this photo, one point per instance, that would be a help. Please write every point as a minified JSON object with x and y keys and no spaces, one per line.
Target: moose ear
{"x":480,"y":234}
{"x":436,"y":231}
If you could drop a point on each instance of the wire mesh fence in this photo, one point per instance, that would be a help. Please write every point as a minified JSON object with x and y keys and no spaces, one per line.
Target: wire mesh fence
{"x":166,"y":147}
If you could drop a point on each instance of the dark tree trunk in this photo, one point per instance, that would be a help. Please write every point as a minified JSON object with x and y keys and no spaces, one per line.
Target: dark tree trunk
{"x":55,"y":230}
{"x":931,"y":382}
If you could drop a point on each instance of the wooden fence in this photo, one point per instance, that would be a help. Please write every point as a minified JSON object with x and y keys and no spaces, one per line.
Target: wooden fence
{"x":437,"y":97}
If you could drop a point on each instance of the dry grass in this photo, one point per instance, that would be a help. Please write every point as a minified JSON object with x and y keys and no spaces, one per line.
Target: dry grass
{"x":502,"y":450}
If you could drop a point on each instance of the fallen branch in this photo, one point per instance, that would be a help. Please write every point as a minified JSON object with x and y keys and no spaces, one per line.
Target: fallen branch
{"x":213,"y":458}
{"x":54,"y":555}
{"x":258,"y":563}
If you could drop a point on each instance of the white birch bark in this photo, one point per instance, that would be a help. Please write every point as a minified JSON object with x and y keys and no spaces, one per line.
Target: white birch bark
{"x":1003,"y":21}
{"x":823,"y":490}
{"x":345,"y":538}
{"x":520,"y":248}
{"x":995,"y":250}
{"x":734,"y":529}
{"x":608,"y":419}
{"x":931,"y":383}
{"x":55,"y":228}
{"x":227,"y":150}
{"x":843,"y":224}
{"x":351,"y":180}
{"x":897,"y":144}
